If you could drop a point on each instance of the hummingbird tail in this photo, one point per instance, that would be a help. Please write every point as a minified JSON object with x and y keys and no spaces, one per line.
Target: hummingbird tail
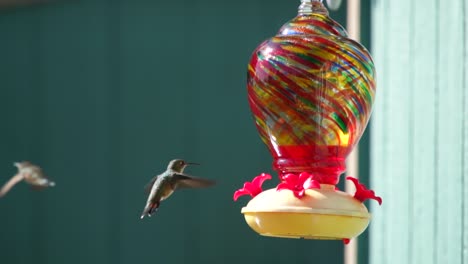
{"x":149,"y":209}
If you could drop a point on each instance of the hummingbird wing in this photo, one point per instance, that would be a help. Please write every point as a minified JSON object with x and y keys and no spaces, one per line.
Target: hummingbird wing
{"x":150,"y":184}
{"x":187,"y":181}
{"x":12,"y":182}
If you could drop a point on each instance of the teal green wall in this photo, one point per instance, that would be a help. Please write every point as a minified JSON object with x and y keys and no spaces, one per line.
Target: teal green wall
{"x":419,"y":147}
{"x":102,"y":94}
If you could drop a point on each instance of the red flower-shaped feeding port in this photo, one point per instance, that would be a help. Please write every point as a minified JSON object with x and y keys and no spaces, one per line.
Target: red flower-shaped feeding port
{"x":252,"y":188}
{"x":298,"y":184}
{"x":362,"y":193}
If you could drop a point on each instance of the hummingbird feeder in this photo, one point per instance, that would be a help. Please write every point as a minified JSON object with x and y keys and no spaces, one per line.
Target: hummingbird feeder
{"x":310,"y":90}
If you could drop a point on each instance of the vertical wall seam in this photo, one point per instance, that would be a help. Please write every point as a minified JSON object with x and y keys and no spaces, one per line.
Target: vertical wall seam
{"x":411,"y":114}
{"x":436,"y":131}
{"x":464,"y":146}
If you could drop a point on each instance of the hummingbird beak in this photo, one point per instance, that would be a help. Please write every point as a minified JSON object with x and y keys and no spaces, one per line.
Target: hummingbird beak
{"x":192,"y":163}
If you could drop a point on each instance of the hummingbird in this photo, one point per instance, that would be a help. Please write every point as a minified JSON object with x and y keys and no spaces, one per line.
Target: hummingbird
{"x":164,"y":184}
{"x":31,"y":174}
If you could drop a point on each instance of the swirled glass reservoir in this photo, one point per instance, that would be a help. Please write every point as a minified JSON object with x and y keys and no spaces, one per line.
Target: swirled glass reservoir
{"x":311,"y":89}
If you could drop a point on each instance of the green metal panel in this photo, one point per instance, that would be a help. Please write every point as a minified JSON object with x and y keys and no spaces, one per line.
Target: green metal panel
{"x":423,"y":133}
{"x":449,"y":107}
{"x":418,"y":134}
{"x":102,"y":94}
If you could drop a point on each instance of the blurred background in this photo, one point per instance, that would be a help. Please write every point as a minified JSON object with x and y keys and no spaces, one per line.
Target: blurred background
{"x":103,"y":93}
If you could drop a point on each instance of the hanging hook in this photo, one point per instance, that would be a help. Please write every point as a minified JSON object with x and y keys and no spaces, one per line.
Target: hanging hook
{"x":334,"y":4}
{"x":312,"y":6}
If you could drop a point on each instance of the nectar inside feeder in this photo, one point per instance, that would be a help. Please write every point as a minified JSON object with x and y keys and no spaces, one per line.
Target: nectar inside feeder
{"x":310,"y":90}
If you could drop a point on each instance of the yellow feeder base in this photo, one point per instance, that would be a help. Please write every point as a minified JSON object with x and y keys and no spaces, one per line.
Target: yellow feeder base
{"x":321,"y":214}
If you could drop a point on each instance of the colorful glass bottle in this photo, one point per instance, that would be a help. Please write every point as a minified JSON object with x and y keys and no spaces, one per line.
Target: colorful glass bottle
{"x":311,"y":90}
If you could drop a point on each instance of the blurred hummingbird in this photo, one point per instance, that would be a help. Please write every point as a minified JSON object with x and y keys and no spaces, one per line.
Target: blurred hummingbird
{"x":31,"y":174}
{"x":164,"y":184}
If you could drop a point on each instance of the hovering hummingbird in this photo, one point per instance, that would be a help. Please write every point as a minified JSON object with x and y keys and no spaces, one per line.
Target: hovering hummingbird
{"x":164,"y":184}
{"x":31,"y":174}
